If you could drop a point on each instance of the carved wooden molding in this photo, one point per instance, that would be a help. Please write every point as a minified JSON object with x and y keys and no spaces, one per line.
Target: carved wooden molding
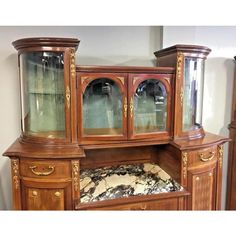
{"x":83,"y":78}
{"x":75,"y":175}
{"x":179,"y":65}
{"x":15,"y":173}
{"x":72,"y":64}
{"x":220,"y":156}
{"x":68,"y":97}
{"x":185,"y":164}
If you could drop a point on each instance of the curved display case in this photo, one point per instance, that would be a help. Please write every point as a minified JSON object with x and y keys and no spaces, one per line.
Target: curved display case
{"x":45,"y":88}
{"x":189,"y":61}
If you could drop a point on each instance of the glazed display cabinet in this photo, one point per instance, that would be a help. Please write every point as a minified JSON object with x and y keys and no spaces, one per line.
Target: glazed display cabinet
{"x":113,"y":137}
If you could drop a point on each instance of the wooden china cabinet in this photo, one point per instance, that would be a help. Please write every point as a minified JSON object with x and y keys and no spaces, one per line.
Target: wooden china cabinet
{"x":112,"y":137}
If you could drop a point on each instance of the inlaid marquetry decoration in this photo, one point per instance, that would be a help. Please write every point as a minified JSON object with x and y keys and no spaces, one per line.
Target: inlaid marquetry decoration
{"x":68,"y":97}
{"x":220,"y":156}
{"x":83,"y":78}
{"x":167,"y":79}
{"x":185,"y":162}
{"x":179,"y":65}
{"x":135,"y":79}
{"x":72,"y":64}
{"x":75,"y":175}
{"x":122,"y":79}
{"x":15,"y":173}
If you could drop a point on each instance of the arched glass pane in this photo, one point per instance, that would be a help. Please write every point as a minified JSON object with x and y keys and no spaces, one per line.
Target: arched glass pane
{"x":102,"y":108}
{"x":150,"y":107}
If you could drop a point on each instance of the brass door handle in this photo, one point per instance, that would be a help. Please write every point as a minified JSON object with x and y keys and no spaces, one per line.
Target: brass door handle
{"x":208,"y":158}
{"x":45,"y":173}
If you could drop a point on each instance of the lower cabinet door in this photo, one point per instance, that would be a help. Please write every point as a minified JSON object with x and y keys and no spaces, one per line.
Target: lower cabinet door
{"x":46,"y":196}
{"x":45,"y":199}
{"x":202,"y":185}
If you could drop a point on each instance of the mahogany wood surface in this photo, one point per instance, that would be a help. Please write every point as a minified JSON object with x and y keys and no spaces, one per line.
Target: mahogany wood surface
{"x":46,"y":171}
{"x":27,"y":150}
{"x":134,"y":201}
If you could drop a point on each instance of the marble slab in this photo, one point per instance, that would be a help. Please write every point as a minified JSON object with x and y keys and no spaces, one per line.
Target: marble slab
{"x":124,"y":181}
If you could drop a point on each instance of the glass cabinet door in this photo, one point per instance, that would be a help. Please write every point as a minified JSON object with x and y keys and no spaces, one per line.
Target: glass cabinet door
{"x":149,"y":107}
{"x":42,"y":91}
{"x":103,"y":108}
{"x":192,"y":93}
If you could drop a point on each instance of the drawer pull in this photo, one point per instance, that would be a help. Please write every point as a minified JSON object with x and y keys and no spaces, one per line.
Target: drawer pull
{"x":143,"y":207}
{"x":50,"y":170}
{"x":57,"y":194}
{"x":205,"y":159}
{"x":34,"y":193}
{"x":139,"y":208}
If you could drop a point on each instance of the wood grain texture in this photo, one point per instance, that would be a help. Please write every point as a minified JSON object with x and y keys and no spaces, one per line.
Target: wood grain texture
{"x":46,"y":172}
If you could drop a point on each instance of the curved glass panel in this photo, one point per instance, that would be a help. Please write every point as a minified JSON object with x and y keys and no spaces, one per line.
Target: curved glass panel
{"x":193,"y":93}
{"x":102,"y":108}
{"x":42,"y":91}
{"x":150,"y":107}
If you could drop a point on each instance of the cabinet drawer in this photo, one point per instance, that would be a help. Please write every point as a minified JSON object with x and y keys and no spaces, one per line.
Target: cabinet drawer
{"x":202,"y":156}
{"x":174,"y":203}
{"x":43,"y":169}
{"x":163,"y":204}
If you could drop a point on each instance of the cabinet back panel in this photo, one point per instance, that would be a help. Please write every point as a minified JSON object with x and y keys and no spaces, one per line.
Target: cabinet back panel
{"x":117,"y":156}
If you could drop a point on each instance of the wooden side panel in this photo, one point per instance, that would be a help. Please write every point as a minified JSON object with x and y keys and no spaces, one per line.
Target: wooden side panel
{"x":16,"y":185}
{"x":115,"y":156}
{"x":75,"y":181}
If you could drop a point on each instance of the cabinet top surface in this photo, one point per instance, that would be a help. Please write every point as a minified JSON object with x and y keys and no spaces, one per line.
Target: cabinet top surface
{"x":45,"y":41}
{"x":185,"y":48}
{"x":120,"y":69}
{"x":208,"y":140}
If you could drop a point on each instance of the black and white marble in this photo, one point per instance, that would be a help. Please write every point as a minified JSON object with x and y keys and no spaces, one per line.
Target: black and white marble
{"x":124,"y":181}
